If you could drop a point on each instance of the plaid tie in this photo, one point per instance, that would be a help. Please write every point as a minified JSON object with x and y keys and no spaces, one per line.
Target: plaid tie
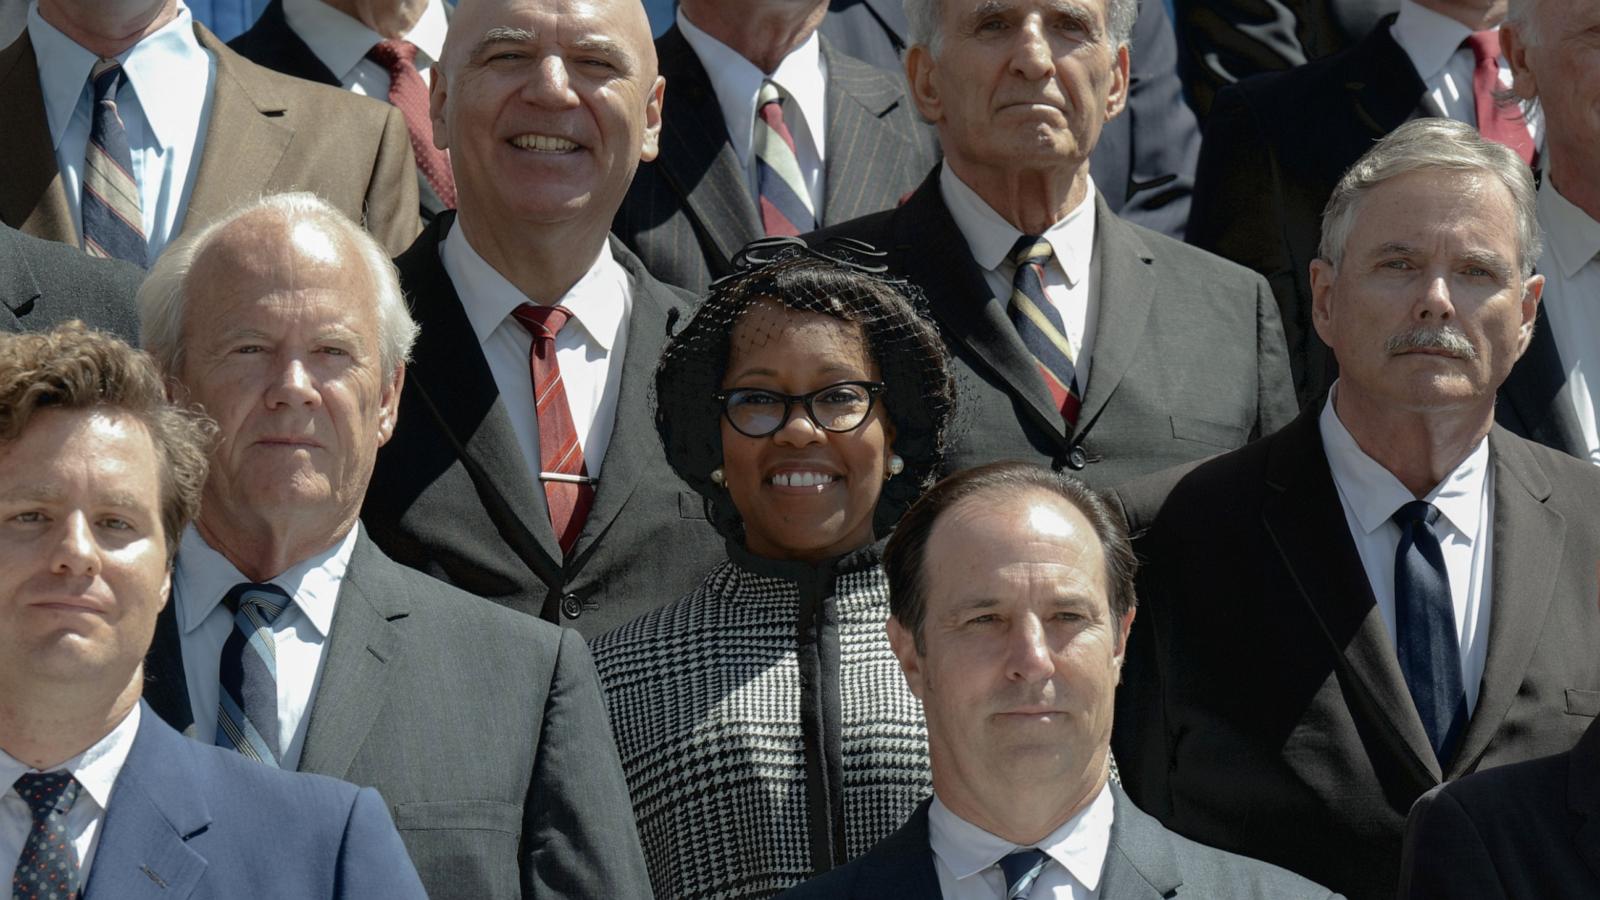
{"x":409,"y":94}
{"x":112,"y":224}
{"x":1039,"y":325}
{"x":48,"y":866}
{"x":1498,"y":123}
{"x":568,"y":489}
{"x":247,"y":708}
{"x":785,"y":201}
{"x":1022,"y":869}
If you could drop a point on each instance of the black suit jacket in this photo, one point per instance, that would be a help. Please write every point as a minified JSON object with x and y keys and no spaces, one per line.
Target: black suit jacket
{"x":1144,"y":861}
{"x":484,"y":731}
{"x":451,"y":495}
{"x":1187,"y":360}
{"x":1536,"y":401}
{"x":44,"y":283}
{"x":1262,"y":709}
{"x":689,"y":211}
{"x":1275,"y":146}
{"x":1530,"y":830}
{"x":272,"y":43}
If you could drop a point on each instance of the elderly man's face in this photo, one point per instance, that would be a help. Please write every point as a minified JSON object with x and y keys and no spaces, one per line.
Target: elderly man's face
{"x":281,"y":346}
{"x":1560,"y":65}
{"x":1021,"y":653}
{"x":547,"y":108}
{"x":1428,"y":309}
{"x":83,"y":559}
{"x":1020,"y":83}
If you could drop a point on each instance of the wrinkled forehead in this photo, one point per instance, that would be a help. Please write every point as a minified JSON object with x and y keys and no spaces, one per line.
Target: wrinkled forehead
{"x":621,"y":24}
{"x":267,"y":256}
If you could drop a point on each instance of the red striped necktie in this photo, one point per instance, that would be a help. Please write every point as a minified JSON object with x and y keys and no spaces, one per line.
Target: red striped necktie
{"x":568,"y":489}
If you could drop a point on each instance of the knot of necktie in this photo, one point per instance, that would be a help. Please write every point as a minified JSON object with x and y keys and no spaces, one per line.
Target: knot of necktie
{"x":263,"y":602}
{"x":104,"y":76}
{"x":543,"y":322}
{"x":394,"y":55}
{"x":48,"y":792}
{"x":1030,"y":249}
{"x":1022,"y":869}
{"x":1414,"y":512}
{"x":1485,"y":45}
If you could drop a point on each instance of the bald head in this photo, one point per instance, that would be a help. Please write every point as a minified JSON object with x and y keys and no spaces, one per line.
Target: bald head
{"x":477,"y":21}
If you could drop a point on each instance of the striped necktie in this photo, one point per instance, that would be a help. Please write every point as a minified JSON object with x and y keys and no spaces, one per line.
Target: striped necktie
{"x":1022,"y":869}
{"x":48,"y":866}
{"x":1039,"y":325}
{"x":785,"y":201}
{"x":247,"y":707}
{"x":568,"y":489}
{"x":112,"y":223}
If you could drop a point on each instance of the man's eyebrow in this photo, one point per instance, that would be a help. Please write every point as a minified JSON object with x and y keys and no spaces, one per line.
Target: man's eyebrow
{"x":503,"y":34}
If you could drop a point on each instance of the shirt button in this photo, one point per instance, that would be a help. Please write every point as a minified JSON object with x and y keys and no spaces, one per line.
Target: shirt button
{"x":571,"y":607}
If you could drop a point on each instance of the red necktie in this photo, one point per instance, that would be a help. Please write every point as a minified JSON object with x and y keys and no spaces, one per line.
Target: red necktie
{"x":409,"y":94}
{"x":568,"y":490}
{"x":1502,"y":124}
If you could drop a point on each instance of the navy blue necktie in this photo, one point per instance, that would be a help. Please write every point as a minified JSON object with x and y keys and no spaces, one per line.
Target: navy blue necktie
{"x":1425,"y":628}
{"x":48,"y":866}
{"x":1022,"y":869}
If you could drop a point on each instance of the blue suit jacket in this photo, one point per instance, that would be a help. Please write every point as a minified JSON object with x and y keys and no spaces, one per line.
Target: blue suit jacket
{"x":188,"y":820}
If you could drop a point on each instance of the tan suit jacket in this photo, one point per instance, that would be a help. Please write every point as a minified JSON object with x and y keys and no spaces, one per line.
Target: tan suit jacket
{"x":268,"y":134}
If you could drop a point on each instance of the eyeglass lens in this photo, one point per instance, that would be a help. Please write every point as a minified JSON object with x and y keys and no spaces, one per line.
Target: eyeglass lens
{"x":839,"y":407}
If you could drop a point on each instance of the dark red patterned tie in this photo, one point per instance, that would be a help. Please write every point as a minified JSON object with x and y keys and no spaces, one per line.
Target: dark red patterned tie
{"x":567,"y":487}
{"x":48,"y":866}
{"x":1499,"y":123}
{"x":409,"y":94}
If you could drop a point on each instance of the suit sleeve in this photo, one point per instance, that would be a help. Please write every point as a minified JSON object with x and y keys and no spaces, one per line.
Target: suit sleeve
{"x":372,"y":860}
{"x":1276,"y":405}
{"x":1163,"y":135}
{"x":1444,"y":856}
{"x":392,"y":206}
{"x":579,"y":837}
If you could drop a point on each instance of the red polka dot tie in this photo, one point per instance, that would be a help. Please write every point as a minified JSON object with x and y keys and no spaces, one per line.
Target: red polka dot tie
{"x":48,"y":867}
{"x":409,"y":94}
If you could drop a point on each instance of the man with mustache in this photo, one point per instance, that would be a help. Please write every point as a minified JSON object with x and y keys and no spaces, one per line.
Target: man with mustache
{"x":1392,"y":591}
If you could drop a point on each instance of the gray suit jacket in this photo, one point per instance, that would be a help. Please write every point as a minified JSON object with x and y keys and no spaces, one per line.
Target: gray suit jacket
{"x":1144,"y":862}
{"x":484,"y":730}
{"x":1188,"y":356}
{"x":44,"y":283}
{"x":690,"y":210}
{"x":1262,"y":709}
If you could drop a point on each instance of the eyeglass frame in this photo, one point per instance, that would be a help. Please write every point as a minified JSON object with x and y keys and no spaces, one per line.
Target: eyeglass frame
{"x":873,"y":389}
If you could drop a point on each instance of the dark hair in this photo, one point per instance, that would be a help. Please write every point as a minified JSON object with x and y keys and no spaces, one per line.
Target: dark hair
{"x":919,"y":390}
{"x":74,"y":368}
{"x":903,"y":559}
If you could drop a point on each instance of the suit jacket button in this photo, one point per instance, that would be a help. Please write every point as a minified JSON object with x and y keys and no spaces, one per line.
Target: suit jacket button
{"x":1077,"y":459}
{"x":571,"y":607}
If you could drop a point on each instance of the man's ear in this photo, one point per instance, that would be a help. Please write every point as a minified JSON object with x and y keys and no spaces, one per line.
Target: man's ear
{"x":1117,"y":96}
{"x":1532,"y":291}
{"x":389,"y":404}
{"x":1124,"y":628}
{"x":438,"y":90}
{"x":924,"y":86}
{"x":654,"y":103}
{"x":904,"y":646}
{"x":1515,"y":50}
{"x":1322,"y":298}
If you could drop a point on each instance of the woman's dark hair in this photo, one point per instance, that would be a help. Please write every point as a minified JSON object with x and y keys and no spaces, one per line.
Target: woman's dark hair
{"x":919,"y":390}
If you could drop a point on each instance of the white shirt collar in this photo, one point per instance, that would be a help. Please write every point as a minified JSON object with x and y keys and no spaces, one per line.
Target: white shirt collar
{"x":991,"y":237}
{"x":156,"y":69}
{"x":1427,"y":37}
{"x":1079,"y":845}
{"x":341,"y":43}
{"x":737,"y":82}
{"x":204,"y":576}
{"x":1571,"y":236}
{"x":597,"y":302}
{"x":96,"y":768}
{"x":1373,"y":492}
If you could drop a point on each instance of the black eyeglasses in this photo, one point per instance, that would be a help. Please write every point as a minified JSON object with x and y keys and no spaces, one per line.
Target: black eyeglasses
{"x":754,"y":412}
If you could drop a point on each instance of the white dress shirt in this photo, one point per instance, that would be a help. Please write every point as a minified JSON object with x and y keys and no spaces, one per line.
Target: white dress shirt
{"x":95,"y":768}
{"x":300,"y":633}
{"x":1571,"y":268}
{"x":589,"y":348}
{"x":1370,"y":494}
{"x":165,"y":104}
{"x":1432,"y":41}
{"x":967,"y":858}
{"x":1066,"y":279}
{"x":803,"y":75}
{"x":341,"y":43}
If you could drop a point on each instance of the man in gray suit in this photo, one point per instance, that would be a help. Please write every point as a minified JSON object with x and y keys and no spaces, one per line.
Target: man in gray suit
{"x":294,"y":640}
{"x":1010,"y":599}
{"x":1083,"y":341}
{"x":45,"y":283}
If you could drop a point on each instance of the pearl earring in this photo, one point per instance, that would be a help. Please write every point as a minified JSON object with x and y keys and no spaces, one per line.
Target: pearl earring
{"x":896,"y":465}
{"x":717,"y":477}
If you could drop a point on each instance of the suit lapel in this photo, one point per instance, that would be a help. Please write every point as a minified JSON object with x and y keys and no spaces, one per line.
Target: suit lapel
{"x":166,"y":684}
{"x":272,"y":43}
{"x":31,"y":196}
{"x":362,"y":640}
{"x":1385,"y":90}
{"x":697,"y":160}
{"x":1305,"y":520}
{"x":19,"y":290}
{"x":143,"y":851}
{"x":1139,"y":861}
{"x":245,"y":139}
{"x":1538,"y":395}
{"x":901,"y":865}
{"x":858,"y":97}
{"x":1528,"y":537}
{"x":1122,"y":259}
{"x":1583,"y":797}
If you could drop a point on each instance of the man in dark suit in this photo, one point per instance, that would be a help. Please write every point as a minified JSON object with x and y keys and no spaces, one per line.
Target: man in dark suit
{"x":197,"y":130}
{"x":1276,"y":145}
{"x":854,"y":144}
{"x":1524,"y":830}
{"x":1011,"y":596}
{"x":481,"y":485}
{"x":1081,"y":340}
{"x":1392,"y":591}
{"x":43,"y":284}
{"x":99,"y":474}
{"x":380,"y":50}
{"x":484,"y":729}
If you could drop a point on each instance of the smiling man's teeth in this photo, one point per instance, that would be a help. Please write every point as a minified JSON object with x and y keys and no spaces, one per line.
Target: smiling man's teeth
{"x":801,"y":479}
{"x":543,"y":143}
